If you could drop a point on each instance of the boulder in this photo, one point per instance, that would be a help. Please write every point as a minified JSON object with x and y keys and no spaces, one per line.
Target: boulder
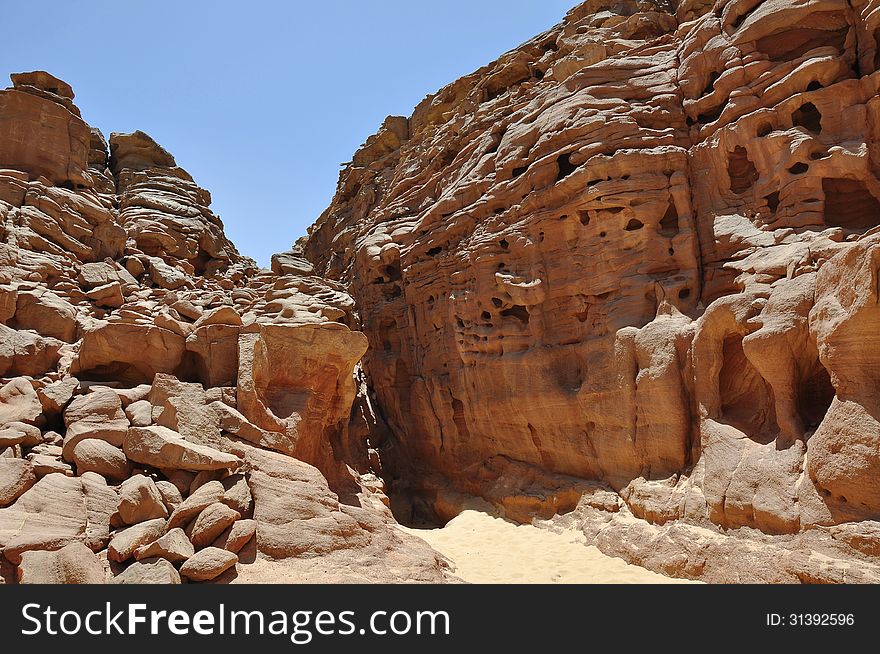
{"x":72,"y":564}
{"x":16,"y":477}
{"x":236,"y":536}
{"x":95,"y":455}
{"x":162,"y":448}
{"x":140,"y":500}
{"x":173,"y":546}
{"x":125,"y":543}
{"x":208,"y":564}
{"x":148,"y":571}
{"x":19,"y":402}
{"x":55,"y":511}
{"x":210,"y":523}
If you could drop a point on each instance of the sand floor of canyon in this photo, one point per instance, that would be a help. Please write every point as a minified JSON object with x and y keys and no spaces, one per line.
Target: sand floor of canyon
{"x":490,"y":550}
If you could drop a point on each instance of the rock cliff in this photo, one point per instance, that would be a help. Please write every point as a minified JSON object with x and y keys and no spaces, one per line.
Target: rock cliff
{"x":168,"y":410}
{"x":628,"y":272}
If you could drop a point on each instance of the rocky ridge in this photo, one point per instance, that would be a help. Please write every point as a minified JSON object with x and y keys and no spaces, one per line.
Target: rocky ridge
{"x":168,"y":411}
{"x":627,"y":272}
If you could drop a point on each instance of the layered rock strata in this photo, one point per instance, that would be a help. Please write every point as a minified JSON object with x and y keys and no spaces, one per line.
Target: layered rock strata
{"x":640,"y":250}
{"x":168,"y":410}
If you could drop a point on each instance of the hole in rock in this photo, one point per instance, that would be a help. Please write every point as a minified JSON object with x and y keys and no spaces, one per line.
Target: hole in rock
{"x":849,"y":204}
{"x":497,"y":303}
{"x":710,"y":85}
{"x":566,"y":168}
{"x":807,"y":117}
{"x":684,"y":294}
{"x":764,"y":129}
{"x":614,"y":210}
{"x":773,"y":201}
{"x":815,"y":395}
{"x":519,"y":171}
{"x":517,"y":311}
{"x":815,"y":85}
{"x":486,"y":315}
{"x":584,"y":217}
{"x":538,"y":73}
{"x":711,"y":115}
{"x":603,"y":234}
{"x":503,"y":243}
{"x":746,"y":399}
{"x":741,"y":170}
{"x":797,"y":41}
{"x":433,"y":252}
{"x":669,"y":222}
{"x":799,"y":168}
{"x":634,"y":225}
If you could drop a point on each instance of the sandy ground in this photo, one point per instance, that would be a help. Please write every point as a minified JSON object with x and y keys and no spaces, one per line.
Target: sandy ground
{"x":488,"y":550}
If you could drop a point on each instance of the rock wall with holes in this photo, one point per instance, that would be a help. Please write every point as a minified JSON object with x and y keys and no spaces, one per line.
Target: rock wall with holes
{"x":639,"y":249}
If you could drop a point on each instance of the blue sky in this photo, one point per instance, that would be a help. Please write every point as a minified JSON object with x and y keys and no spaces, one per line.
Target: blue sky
{"x":261,"y":101}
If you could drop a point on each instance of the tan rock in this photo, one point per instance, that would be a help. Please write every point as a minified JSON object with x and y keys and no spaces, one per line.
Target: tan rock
{"x":16,"y":476}
{"x":55,"y":511}
{"x":95,"y":455}
{"x":162,"y":448}
{"x":149,"y":571}
{"x":210,"y":523}
{"x":140,"y":500}
{"x":19,"y":402}
{"x":208,"y":563}
{"x":125,"y":543}
{"x":171,"y":496}
{"x":236,"y":536}
{"x":72,"y":564}
{"x":140,"y":413}
{"x":173,"y":546}
{"x":211,"y":493}
{"x":57,"y":395}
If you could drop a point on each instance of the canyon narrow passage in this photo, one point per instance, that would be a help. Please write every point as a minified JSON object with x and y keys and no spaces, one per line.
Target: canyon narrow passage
{"x":484,"y":549}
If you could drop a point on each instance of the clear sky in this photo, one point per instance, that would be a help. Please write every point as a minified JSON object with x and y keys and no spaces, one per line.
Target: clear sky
{"x":261,"y":101}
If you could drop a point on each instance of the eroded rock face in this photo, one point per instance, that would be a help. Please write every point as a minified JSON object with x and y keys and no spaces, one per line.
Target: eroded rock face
{"x":140,"y":353}
{"x":639,"y":249}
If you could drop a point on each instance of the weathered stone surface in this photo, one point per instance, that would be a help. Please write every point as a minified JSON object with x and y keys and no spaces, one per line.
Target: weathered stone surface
{"x":125,"y":543}
{"x":173,"y":546}
{"x":16,"y":476}
{"x":140,"y":500}
{"x":72,"y":564}
{"x":19,"y":402}
{"x":279,"y":390}
{"x":208,"y":563}
{"x":162,"y":448}
{"x":149,"y":571}
{"x":237,"y":536}
{"x":206,"y":495}
{"x":95,"y":455}
{"x":210,"y":523}
{"x":55,"y":511}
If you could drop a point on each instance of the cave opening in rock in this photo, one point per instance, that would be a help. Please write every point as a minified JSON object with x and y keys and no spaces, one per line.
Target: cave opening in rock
{"x":584,"y":217}
{"x":849,"y":204}
{"x":669,"y":222}
{"x":815,"y":394}
{"x":773,"y":201}
{"x":517,"y":311}
{"x":808,"y":117}
{"x":741,"y":170}
{"x":798,"y":40}
{"x":566,"y":168}
{"x":746,"y":399}
{"x":634,"y":225}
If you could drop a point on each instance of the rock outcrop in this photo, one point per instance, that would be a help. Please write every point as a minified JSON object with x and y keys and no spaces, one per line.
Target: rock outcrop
{"x":639,"y":251}
{"x":144,"y":361}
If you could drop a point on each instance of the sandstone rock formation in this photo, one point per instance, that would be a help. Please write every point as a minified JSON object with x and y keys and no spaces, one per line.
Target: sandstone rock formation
{"x":143,"y":364}
{"x":638,"y":253}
